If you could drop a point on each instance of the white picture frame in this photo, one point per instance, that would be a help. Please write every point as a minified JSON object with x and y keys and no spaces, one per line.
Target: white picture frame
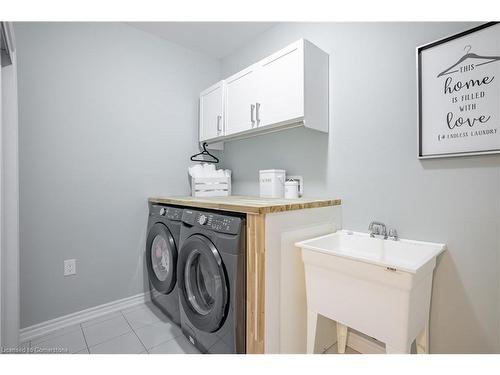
{"x":458,"y":83}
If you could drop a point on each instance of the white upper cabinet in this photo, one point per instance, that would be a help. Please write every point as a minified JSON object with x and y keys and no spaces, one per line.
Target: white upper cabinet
{"x":280,"y":96}
{"x":287,"y":89}
{"x":241,"y":91}
{"x":211,"y":112}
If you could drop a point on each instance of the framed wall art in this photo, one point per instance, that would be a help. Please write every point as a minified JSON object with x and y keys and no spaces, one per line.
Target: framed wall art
{"x":459,"y":94}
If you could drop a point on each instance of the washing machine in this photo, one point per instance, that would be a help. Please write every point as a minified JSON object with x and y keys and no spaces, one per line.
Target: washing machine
{"x":211,"y":279}
{"x":164,"y":225}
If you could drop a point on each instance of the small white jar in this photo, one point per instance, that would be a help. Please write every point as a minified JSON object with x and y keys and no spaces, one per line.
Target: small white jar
{"x":291,"y":189}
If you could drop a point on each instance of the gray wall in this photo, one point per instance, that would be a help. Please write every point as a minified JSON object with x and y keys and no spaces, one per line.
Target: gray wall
{"x":107,"y":117}
{"x":369,"y":160}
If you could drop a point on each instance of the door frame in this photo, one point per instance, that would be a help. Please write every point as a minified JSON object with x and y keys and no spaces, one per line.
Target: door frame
{"x":9,"y":198}
{"x":1,"y":206}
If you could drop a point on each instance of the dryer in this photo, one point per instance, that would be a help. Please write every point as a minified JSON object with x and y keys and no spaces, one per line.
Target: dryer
{"x":161,"y":255}
{"x":211,"y":278}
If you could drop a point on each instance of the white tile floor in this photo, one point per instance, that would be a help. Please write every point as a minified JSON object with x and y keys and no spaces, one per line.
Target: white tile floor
{"x":140,"y":329}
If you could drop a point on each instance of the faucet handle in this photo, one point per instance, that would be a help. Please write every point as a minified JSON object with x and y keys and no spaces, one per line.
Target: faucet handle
{"x":377,"y":227}
{"x":374,"y":230}
{"x":394,"y":234}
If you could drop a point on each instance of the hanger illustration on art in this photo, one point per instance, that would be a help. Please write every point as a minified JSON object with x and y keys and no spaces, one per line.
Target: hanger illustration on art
{"x":201,"y":156}
{"x":469,"y":55}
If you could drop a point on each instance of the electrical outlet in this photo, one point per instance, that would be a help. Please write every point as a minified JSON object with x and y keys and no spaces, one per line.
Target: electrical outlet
{"x":69,"y":267}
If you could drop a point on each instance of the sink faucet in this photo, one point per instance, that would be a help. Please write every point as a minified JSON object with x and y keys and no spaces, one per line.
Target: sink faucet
{"x":377,"y":227}
{"x":394,"y":234}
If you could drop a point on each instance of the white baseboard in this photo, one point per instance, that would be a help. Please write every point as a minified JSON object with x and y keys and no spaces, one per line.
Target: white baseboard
{"x":36,"y":330}
{"x":363,"y":344}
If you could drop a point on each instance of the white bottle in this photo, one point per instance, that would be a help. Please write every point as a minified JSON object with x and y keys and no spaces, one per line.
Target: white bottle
{"x":291,"y":189}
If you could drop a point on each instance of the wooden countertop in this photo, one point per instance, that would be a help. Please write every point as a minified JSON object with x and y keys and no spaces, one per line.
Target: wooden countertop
{"x":247,"y":204}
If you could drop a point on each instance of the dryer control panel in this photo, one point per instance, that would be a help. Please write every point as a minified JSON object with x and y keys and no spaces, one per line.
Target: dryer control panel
{"x":211,"y":221}
{"x":171,"y":213}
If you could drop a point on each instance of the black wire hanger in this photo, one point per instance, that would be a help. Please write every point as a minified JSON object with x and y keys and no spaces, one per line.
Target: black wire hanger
{"x":203,"y":153}
{"x":469,"y":55}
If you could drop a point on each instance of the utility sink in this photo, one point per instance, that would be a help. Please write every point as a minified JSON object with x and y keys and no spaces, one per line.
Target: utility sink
{"x":403,"y":255}
{"x":379,"y":287}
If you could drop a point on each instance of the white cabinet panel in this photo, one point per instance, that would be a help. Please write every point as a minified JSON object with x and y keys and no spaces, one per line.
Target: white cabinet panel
{"x":281,"y":88}
{"x":211,"y":112}
{"x":240,"y":101}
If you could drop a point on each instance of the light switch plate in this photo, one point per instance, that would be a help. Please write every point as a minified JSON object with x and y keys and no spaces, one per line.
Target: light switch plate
{"x":69,"y":267}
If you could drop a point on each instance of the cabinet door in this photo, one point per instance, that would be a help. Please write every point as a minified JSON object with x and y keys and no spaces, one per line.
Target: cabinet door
{"x":280,"y":97}
{"x":211,"y":110}
{"x":240,"y":101}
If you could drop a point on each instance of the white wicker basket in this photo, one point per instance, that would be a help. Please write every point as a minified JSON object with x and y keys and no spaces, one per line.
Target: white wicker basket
{"x":210,"y":186}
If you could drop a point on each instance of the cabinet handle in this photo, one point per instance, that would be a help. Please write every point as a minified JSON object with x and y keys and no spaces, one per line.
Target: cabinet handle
{"x":257,"y":106}
{"x":219,"y":129}
{"x":252,"y":119}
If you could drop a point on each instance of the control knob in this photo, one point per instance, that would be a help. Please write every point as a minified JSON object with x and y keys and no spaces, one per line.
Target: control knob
{"x":163,"y":211}
{"x":202,"y":220}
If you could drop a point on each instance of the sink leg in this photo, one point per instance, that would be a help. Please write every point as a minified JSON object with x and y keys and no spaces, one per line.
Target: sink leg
{"x":312,"y":322}
{"x":341,"y":337}
{"x":423,"y":341}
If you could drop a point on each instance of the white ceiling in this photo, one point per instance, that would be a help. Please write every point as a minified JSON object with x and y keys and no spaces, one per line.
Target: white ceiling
{"x":216,"y":39}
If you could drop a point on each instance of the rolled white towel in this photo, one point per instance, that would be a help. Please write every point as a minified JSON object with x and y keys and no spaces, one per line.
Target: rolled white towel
{"x":209,"y":170}
{"x":195,"y":170}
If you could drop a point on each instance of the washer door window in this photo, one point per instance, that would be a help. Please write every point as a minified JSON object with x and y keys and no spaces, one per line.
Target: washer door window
{"x":161,"y":256}
{"x":203,"y":283}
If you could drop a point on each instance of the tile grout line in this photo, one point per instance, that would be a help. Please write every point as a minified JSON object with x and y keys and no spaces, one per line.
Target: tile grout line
{"x":164,"y":342}
{"x":110,"y":314}
{"x":135,"y":333}
{"x":111,"y":338}
{"x":148,"y":325}
{"x":79,"y":326}
{"x":85,"y":338}
{"x":50,"y":337}
{"x":55,"y":336}
{"x":181,"y":334}
{"x":107,"y":340}
{"x":151,"y":324}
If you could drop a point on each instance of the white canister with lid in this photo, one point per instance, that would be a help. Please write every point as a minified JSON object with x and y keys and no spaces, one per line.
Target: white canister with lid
{"x":272,"y":183}
{"x":291,"y":189}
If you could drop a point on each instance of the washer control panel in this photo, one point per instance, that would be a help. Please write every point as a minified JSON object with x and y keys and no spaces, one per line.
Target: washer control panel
{"x":211,"y":221}
{"x":171,"y":213}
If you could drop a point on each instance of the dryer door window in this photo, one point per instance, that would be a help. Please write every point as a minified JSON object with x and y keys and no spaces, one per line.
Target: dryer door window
{"x":161,"y":256}
{"x":203,"y":283}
